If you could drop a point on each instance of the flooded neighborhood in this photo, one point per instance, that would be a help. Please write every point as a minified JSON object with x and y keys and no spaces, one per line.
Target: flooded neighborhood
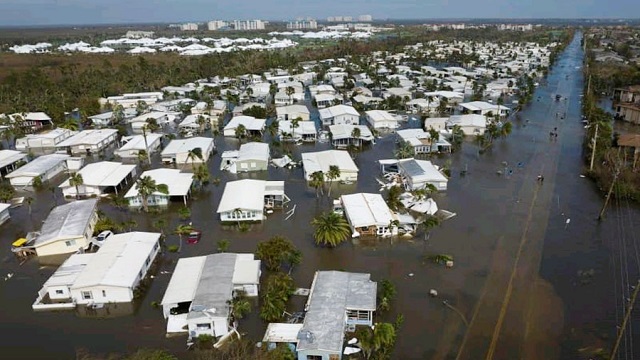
{"x":429,"y":200}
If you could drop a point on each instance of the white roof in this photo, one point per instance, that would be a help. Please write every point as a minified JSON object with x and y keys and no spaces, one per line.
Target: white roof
{"x":37,"y":116}
{"x":325,"y":97}
{"x":292,"y":109}
{"x":254,"y":150}
{"x":282,"y":333}
{"x":157,"y":115}
{"x":249,"y":122}
{"x":337,"y":110}
{"x":343,"y":131}
{"x":51,"y":134}
{"x":192,"y":120}
{"x":40,"y":165}
{"x":321,"y":160}
{"x":178,"y":183}
{"x":469,"y":120}
{"x":364,"y":209}
{"x":8,"y":157}
{"x":88,"y":137}
{"x":421,"y":170}
{"x":482,"y":105}
{"x":4,"y":207}
{"x":68,"y":272}
{"x":380,"y":115}
{"x":67,"y":221}
{"x":304,"y":127}
{"x":118,"y":261}
{"x":183,"y":146}
{"x":246,"y":270}
{"x":246,"y":194}
{"x":103,"y":173}
{"x":136,"y":142}
{"x":184,"y":280}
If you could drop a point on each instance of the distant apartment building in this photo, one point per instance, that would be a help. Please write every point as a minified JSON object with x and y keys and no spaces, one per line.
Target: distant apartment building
{"x":189,"y":27}
{"x":248,"y":24}
{"x":365,"y":18}
{"x":217,"y":25}
{"x":137,"y":34}
{"x":302,"y":24}
{"x":515,"y":27}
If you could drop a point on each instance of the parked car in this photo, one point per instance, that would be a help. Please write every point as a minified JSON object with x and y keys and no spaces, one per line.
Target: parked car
{"x":194,"y":237}
{"x":103,"y":236}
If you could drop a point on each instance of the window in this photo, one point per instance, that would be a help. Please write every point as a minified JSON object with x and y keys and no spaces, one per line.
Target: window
{"x":148,"y":260}
{"x":70,"y":242}
{"x":86,"y":295}
{"x":206,"y":326}
{"x":314,"y":357}
{"x":59,"y":292}
{"x":253,"y":165}
{"x":140,"y":275}
{"x":104,"y":293}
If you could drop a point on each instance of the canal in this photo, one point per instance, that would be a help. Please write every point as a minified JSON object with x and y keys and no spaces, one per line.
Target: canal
{"x":521,"y":250}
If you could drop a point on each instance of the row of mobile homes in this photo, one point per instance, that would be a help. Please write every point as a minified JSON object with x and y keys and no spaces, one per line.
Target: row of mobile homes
{"x":323,"y":160}
{"x":339,"y":114}
{"x":368,"y":215}
{"x":199,"y":295}
{"x":180,"y":151}
{"x":11,"y":160}
{"x":110,"y":275}
{"x":133,"y":145}
{"x":44,"y":142}
{"x":67,"y":229}
{"x":100,"y":178}
{"x":44,"y":167}
{"x":178,"y":184}
{"x":247,"y":199}
{"x":88,"y":142}
{"x":131,"y":100}
{"x":252,"y":156}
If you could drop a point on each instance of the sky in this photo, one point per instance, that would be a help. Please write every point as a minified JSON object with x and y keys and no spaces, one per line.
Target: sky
{"x":75,"y":12}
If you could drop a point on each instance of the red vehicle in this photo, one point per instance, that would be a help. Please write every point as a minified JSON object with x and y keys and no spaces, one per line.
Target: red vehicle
{"x":194,"y":237}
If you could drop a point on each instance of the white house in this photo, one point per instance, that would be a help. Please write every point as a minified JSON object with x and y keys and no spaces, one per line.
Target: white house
{"x":338,"y":300}
{"x":417,"y":174}
{"x":100,"y":178}
{"x":421,"y":141}
{"x":178,"y":183}
{"x":470,"y":124}
{"x":33,"y":120}
{"x":368,"y":214}
{"x":136,"y":143}
{"x":197,"y":299}
{"x":339,"y":114}
{"x":67,"y":228}
{"x":11,"y":160}
{"x":44,"y":167}
{"x":252,"y":156}
{"x":325,"y":100}
{"x":190,"y":123}
{"x":45,"y":141}
{"x":131,"y":100}
{"x":178,"y":150}
{"x":439,"y":123}
{"x":380,"y":119}
{"x":422,"y":105}
{"x":247,"y":199}
{"x":483,"y":108}
{"x":322,"y":160}
{"x":162,"y":118}
{"x":88,"y":142}
{"x":238,"y":110}
{"x":293,"y":112}
{"x":399,"y":92}
{"x":110,"y":275}
{"x":305,"y":130}
{"x":4,"y":213}
{"x":342,"y":135}
{"x":251,"y":125}
{"x":102,"y":120}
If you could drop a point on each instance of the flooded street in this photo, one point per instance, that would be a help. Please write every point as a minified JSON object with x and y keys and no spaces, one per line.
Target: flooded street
{"x":518,"y":247}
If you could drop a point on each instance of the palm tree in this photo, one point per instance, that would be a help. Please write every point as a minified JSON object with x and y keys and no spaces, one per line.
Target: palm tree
{"x":201,"y":121}
{"x":241,"y":132}
{"x":393,"y":198}
{"x":405,"y":150}
{"x":330,"y":229}
{"x":151,"y":125}
{"x":332,"y":174}
{"x":429,"y":223}
{"x":193,"y":154}
{"x":141,"y":107}
{"x":317,"y":182}
{"x":160,"y":225}
{"x":380,"y":339}
{"x":118,"y":114}
{"x":76,"y":180}
{"x":181,"y":230}
{"x":201,"y":175}
{"x":240,"y":306}
{"x":434,"y":136}
{"x":276,"y":251}
{"x":249,"y":92}
{"x":70,"y":124}
{"x":223,"y":245}
{"x":147,"y":186}
{"x":294,"y":125}
{"x":505,"y":129}
{"x":29,"y":200}
{"x":272,"y":128}
{"x":355,"y":135}
{"x":290,"y":91}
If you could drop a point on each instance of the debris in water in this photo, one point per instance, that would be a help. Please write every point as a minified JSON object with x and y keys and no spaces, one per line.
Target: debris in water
{"x":433,"y":292}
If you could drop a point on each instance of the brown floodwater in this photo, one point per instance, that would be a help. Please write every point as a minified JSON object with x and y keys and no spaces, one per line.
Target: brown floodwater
{"x":519,"y":275}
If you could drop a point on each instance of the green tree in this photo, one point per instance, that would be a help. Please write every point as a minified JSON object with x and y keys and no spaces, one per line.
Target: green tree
{"x":160,"y":225}
{"x":428,"y":223}
{"x":76,"y":180}
{"x":184,"y":213}
{"x":29,"y":200}
{"x":193,"y":154}
{"x":386,"y":293}
{"x":277,"y":290}
{"x":240,"y":305}
{"x":355,"y":135}
{"x":70,"y":124}
{"x":147,"y":186}
{"x":393,"y":198}
{"x":376,"y":342}
{"x":201,"y":175}
{"x":317,"y":182}
{"x":332,"y":174}
{"x":182,"y":230}
{"x":276,"y":251}
{"x":330,"y":229}
{"x":405,"y":150}
{"x":222,"y":245}
{"x":241,"y":132}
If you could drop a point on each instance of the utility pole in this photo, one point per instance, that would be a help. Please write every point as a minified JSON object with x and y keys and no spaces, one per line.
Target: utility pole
{"x":606,"y":201}
{"x":593,"y":150}
{"x":627,"y":315}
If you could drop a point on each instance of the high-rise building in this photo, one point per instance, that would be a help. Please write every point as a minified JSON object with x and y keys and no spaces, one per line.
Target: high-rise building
{"x":300,"y":24}
{"x":189,"y":27}
{"x":217,"y":25}
{"x":365,"y":18}
{"x":248,"y":24}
